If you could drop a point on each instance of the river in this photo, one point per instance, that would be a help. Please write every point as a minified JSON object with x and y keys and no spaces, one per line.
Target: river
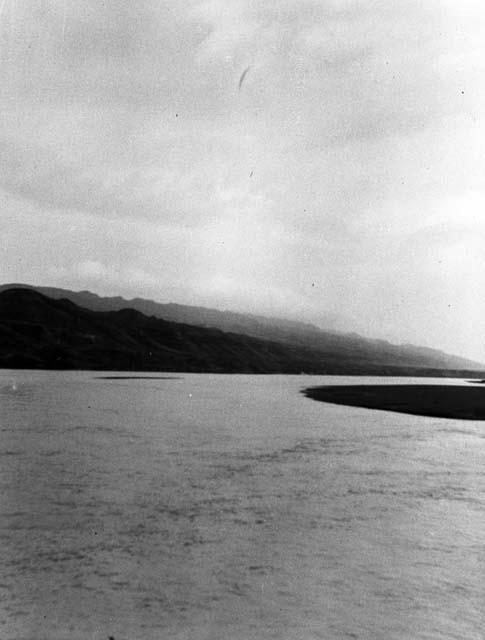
{"x":215,"y":507}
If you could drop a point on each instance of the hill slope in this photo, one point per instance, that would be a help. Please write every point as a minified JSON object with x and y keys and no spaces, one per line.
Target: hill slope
{"x":39,"y":332}
{"x":336,"y":346}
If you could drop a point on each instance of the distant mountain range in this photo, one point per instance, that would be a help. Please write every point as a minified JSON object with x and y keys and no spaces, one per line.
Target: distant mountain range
{"x":44,"y":327}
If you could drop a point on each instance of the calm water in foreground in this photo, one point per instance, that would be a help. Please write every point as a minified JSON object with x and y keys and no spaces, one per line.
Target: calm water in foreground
{"x":233,"y":508}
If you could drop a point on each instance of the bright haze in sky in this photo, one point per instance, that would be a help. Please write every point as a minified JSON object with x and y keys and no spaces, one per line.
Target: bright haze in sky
{"x":321,"y":160}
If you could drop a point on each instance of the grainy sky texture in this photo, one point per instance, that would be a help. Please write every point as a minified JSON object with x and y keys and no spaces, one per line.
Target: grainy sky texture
{"x":341,"y":181}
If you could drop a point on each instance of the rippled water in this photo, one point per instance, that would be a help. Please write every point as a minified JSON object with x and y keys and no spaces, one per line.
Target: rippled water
{"x":232,"y":507}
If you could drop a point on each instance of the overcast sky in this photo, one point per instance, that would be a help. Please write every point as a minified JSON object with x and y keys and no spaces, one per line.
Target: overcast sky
{"x":342,"y":182}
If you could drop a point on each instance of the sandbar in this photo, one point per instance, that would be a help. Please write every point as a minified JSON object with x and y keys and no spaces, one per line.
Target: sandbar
{"x":439,"y":401}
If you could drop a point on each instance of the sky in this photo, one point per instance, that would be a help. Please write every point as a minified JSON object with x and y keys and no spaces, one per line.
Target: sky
{"x":311,"y":159}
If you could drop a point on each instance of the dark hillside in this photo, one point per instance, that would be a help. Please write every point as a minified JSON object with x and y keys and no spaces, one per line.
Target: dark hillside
{"x":339,"y":348}
{"x":39,"y":332}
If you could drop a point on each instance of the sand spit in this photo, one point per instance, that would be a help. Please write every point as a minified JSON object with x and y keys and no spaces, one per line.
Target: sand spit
{"x":440,"y":401}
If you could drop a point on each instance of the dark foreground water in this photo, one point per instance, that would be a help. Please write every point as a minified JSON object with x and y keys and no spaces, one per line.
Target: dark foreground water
{"x":232,"y":507}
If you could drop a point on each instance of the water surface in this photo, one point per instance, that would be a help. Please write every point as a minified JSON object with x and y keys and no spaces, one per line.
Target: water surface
{"x":215,"y":507}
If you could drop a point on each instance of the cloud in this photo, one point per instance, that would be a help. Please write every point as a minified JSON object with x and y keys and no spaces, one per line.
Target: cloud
{"x":332,"y":182}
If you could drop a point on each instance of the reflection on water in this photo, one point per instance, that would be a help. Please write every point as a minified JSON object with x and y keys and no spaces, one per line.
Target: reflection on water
{"x":232,"y":507}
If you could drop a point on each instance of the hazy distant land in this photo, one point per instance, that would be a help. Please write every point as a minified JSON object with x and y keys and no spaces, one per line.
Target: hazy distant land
{"x":40,"y":332}
{"x":343,"y":352}
{"x":440,"y":401}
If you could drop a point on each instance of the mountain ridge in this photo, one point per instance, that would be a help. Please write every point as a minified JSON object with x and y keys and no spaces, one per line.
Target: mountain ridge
{"x":171,"y":310}
{"x":291,"y":333}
